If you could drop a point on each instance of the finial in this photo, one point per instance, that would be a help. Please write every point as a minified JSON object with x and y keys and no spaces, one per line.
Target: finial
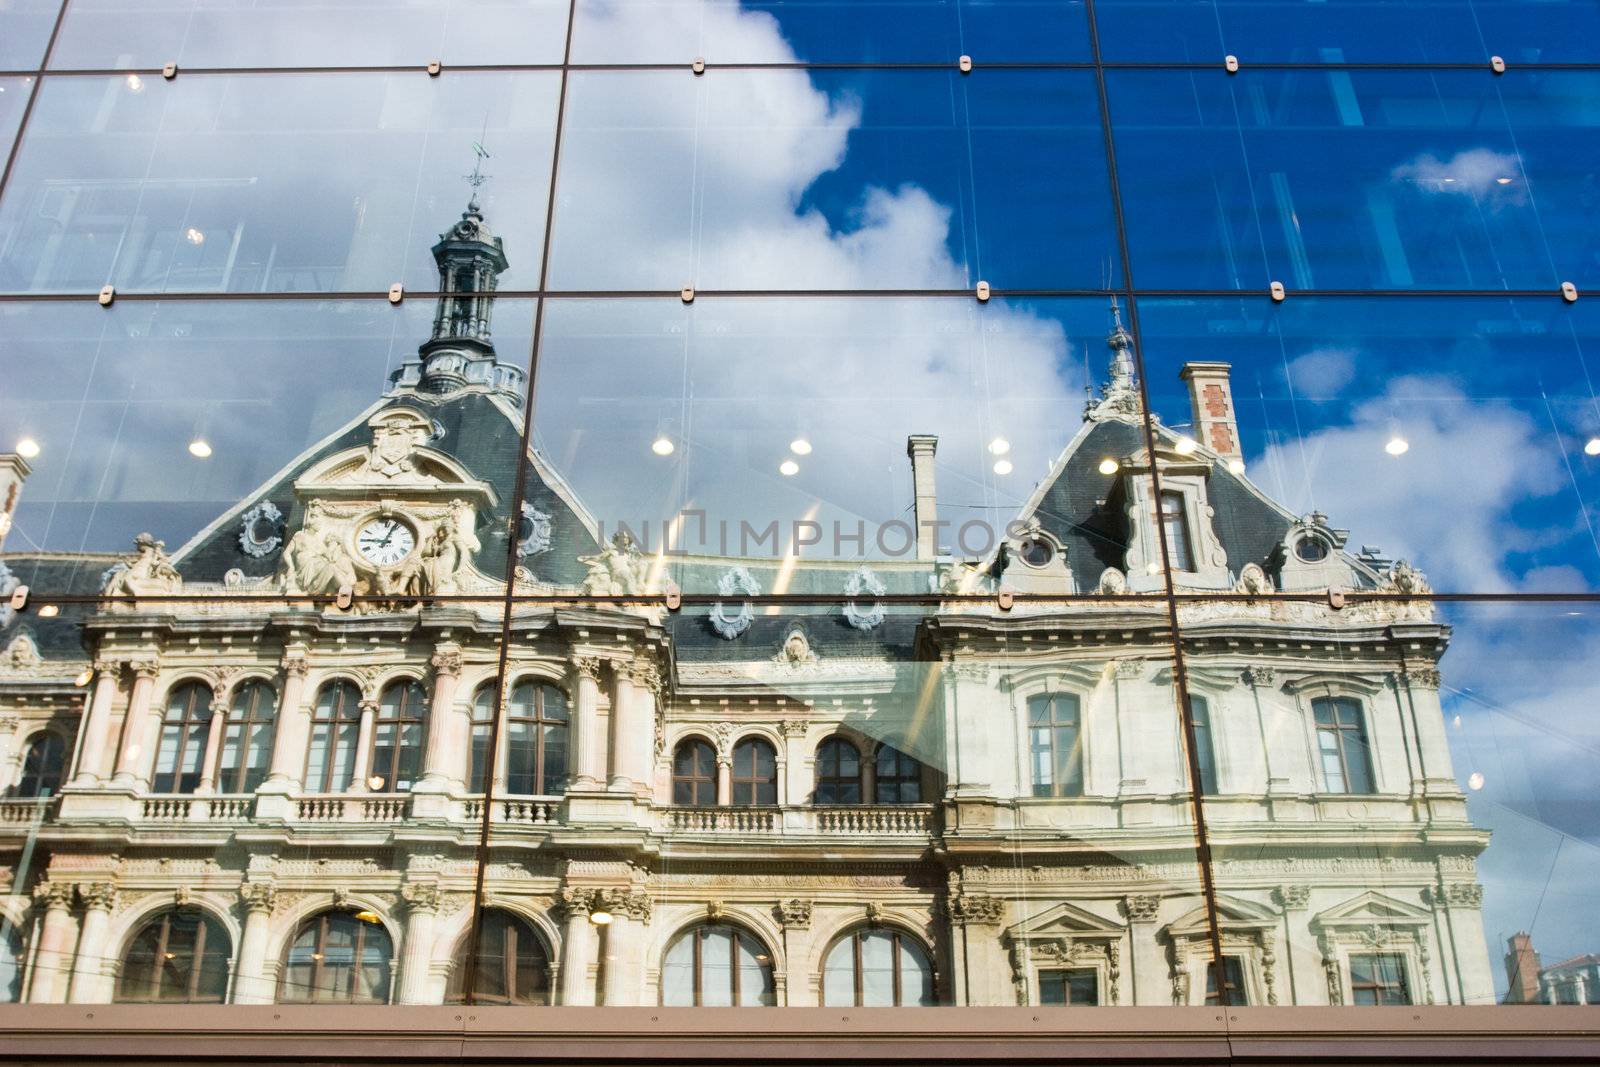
{"x":477,"y":177}
{"x":1120,"y":341}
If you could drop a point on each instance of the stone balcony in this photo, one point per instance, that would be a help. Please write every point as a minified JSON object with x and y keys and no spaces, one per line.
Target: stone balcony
{"x":901,"y":820}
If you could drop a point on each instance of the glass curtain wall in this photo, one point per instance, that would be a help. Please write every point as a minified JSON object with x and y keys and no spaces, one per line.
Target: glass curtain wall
{"x":938,"y":503}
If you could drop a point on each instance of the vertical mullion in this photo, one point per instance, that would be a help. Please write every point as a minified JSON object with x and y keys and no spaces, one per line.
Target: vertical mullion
{"x":156,"y":971}
{"x":196,"y":959}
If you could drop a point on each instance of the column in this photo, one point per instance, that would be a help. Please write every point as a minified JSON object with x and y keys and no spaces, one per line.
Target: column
{"x":422,"y":904}
{"x":968,"y":692}
{"x":55,"y":944}
{"x":1152,"y":985}
{"x":358,"y":780}
{"x":10,"y":758}
{"x":1301,"y":958}
{"x":632,"y":727}
{"x":1463,"y":910}
{"x":136,"y":726}
{"x":622,"y":968}
{"x":589,"y":748}
{"x":90,"y":964}
{"x":445,"y":758}
{"x":214,"y":731}
{"x":642,"y":738}
{"x":250,"y":983}
{"x":1427,"y":718}
{"x":794,"y":788}
{"x":294,"y":727}
{"x":724,"y":779}
{"x":869,"y":772}
{"x":577,"y":949}
{"x":97,"y":730}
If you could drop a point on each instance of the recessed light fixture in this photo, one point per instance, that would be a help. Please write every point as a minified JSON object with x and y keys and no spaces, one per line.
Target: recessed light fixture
{"x":999,"y":446}
{"x":1475,"y":781}
{"x":194,"y":236}
{"x":788,"y":468}
{"x":1591,"y":447}
{"x":375,"y":782}
{"x":1185,"y":446}
{"x":1235,"y":466}
{"x":84,"y":677}
{"x":600,"y":917}
{"x":199,"y":448}
{"x":27,"y":448}
{"x":1397,"y":446}
{"x":1002,"y":466}
{"x":1152,"y":568}
{"x":800,"y":446}
{"x":135,"y":83}
{"x":49,"y":611}
{"x":368,"y":917}
{"x":663,"y":446}
{"x":1502,"y":181}
{"x":1109,"y":466}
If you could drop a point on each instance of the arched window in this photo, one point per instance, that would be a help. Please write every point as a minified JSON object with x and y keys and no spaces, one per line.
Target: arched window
{"x":877,"y":968}
{"x":755,"y":773}
{"x":10,"y":963}
{"x":331,"y":759}
{"x":717,"y":965}
{"x":177,"y":957}
{"x":397,"y":737}
{"x":536,"y":740}
{"x":184,"y":726}
{"x":338,"y":957}
{"x":41,"y":767}
{"x":694,"y":774}
{"x":1055,"y":745}
{"x":247,"y":742}
{"x":838,"y":772}
{"x":482,"y":730}
{"x":513,"y":963}
{"x":899,"y":777}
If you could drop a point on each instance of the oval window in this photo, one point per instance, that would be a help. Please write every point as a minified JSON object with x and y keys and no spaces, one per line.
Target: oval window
{"x":1311,"y":549}
{"x":1036,"y":552}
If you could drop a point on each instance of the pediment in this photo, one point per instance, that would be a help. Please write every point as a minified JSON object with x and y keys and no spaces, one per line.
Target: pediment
{"x":1233,"y":913}
{"x":398,"y":462}
{"x":1372,"y":909}
{"x":1064,"y":921}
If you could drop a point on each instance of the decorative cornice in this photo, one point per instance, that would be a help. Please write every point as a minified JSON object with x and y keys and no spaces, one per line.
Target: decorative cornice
{"x":973,"y":910}
{"x":258,"y":897}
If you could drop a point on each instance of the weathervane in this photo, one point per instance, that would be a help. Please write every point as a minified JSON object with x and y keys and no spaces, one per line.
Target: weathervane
{"x":477,"y":177}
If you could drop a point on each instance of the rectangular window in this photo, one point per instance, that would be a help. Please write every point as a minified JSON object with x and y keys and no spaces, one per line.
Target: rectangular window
{"x":1079,"y":987}
{"x":1378,"y":978}
{"x":1232,"y":979}
{"x":1342,"y":746}
{"x":1205,"y":752}
{"x":1055,"y":745}
{"x":1175,"y":528}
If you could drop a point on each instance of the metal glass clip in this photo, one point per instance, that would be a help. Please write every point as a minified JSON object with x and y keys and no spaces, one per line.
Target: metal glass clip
{"x":674,"y":596}
{"x":1497,"y":64}
{"x":1231,"y":64}
{"x":107,"y":295}
{"x":1569,"y":292}
{"x":397,"y":293}
{"x":687,"y":294}
{"x":434,"y":67}
{"x":346,"y":594}
{"x":698,"y":66}
{"x":169,"y":71}
{"x":983,"y":292}
{"x":1276,"y":289}
{"x":965,"y":64}
{"x":19,"y":598}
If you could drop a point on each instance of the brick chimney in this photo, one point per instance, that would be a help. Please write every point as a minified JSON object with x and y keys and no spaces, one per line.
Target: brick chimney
{"x":14,"y":470}
{"x":921,"y":447}
{"x":1211,"y":399}
{"x":1522,"y":969}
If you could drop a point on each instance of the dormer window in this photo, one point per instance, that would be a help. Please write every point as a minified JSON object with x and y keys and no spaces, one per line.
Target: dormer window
{"x":1036,"y":552}
{"x":1175,"y":527}
{"x":1311,"y":549}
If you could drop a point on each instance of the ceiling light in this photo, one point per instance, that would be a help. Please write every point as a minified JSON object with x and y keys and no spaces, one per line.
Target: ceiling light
{"x":375,"y":782}
{"x":27,"y":448}
{"x":1449,"y":181}
{"x":1108,"y":466}
{"x":1002,"y":466}
{"x":135,"y":83}
{"x":1397,"y":446}
{"x":600,"y":917}
{"x":1591,"y":447}
{"x":999,"y":446}
{"x":1475,"y":780}
{"x":1185,"y":446}
{"x":1152,"y":568}
{"x":800,"y":446}
{"x":194,"y":236}
{"x":1456,"y":722}
{"x":788,"y":468}
{"x":199,"y":449}
{"x":368,"y":917}
{"x":49,"y":611}
{"x":84,"y":677}
{"x":1503,"y":181}
{"x":1235,"y":466}
{"x":663,"y":446}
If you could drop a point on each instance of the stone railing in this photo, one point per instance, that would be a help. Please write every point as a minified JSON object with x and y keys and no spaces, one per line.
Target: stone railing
{"x":535,"y":811}
{"x":356,"y":808}
{"x":878,"y":819}
{"x":20,"y":811}
{"x":207,"y":809}
{"x":860,"y":821}
{"x":724,"y":820}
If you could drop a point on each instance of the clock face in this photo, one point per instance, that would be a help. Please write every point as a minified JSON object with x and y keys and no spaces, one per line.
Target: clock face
{"x":385,"y":542}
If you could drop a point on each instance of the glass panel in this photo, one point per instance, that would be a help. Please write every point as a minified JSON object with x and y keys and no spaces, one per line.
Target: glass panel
{"x":786,"y":31}
{"x":1452,"y":433}
{"x":202,"y":424}
{"x":719,"y":430}
{"x":252,"y":183}
{"x":13,"y":101}
{"x":25,"y":31}
{"x":1467,"y":874}
{"x":832,"y":179}
{"x":100,"y":34}
{"x":1355,"y":178}
{"x":1365,"y":31}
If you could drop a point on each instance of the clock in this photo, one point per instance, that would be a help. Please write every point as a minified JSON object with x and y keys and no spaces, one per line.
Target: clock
{"x":383,"y":542}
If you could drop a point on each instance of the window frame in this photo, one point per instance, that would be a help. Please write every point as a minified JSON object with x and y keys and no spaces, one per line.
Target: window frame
{"x":1205,"y":743}
{"x":1401,"y":964}
{"x":1066,"y":974}
{"x":192,"y":729}
{"x":737,"y":934}
{"x":401,"y":750}
{"x":539,"y":774}
{"x":1339,"y":732}
{"x":753,"y":782}
{"x":513,"y":928}
{"x":196,"y":959}
{"x":241,"y":728}
{"x":1055,"y":788}
{"x":1235,"y":980}
{"x":837,"y":780}
{"x":907,"y":771}
{"x":897,"y":938}
{"x":338,"y":718}
{"x":321,"y":923}
{"x":697,"y":744}
{"x":20,"y":790}
{"x":1181,"y":548}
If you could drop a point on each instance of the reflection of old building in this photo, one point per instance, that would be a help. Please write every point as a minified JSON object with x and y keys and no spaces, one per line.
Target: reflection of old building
{"x":220,"y":790}
{"x":1528,"y":981}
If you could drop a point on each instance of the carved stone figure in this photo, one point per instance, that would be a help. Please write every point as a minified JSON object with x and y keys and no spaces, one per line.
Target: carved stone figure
{"x":1405,"y":579}
{"x":448,"y":553}
{"x":315,"y":562}
{"x":1112,"y":582}
{"x":148,"y":571}
{"x":617,"y":570}
{"x":796,"y":650}
{"x":1253,"y":581}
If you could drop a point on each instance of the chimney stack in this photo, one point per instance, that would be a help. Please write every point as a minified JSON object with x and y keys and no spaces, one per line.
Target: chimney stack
{"x":1522,"y":969}
{"x":921,"y":447}
{"x":1211,"y":399}
{"x":14,"y":470}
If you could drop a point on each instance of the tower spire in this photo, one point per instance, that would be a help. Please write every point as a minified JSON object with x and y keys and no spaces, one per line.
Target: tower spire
{"x":1119,"y":395}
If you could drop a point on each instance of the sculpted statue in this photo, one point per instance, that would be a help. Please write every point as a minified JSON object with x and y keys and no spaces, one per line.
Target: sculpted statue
{"x":617,"y":570}
{"x":1406,"y":579}
{"x":148,"y":571}
{"x":448,"y":552}
{"x":1253,"y":581}
{"x":314,"y":561}
{"x":1112,"y":582}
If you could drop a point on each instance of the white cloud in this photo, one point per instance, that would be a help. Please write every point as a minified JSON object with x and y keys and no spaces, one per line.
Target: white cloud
{"x":1321,"y":373}
{"x":1473,"y":172}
